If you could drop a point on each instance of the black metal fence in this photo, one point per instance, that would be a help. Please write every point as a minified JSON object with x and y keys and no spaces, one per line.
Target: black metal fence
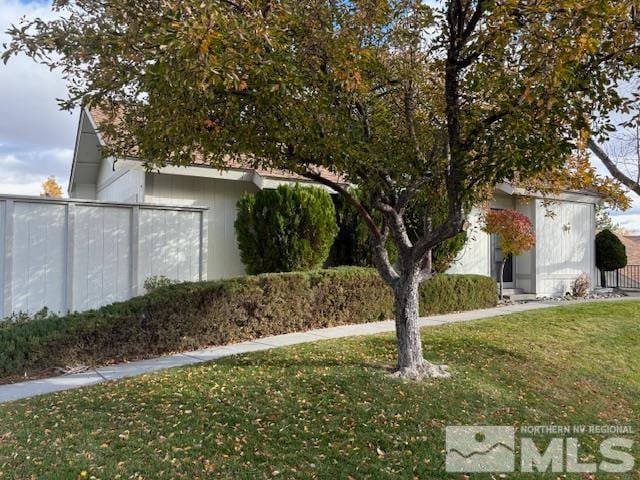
{"x":626,"y":278}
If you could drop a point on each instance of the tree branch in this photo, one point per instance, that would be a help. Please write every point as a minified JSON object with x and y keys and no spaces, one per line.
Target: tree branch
{"x":378,"y":237}
{"x":451,"y":227}
{"x":397,"y":226}
{"x":409,"y":111}
{"x":473,"y":21}
{"x":426,"y":268}
{"x":613,"y":168}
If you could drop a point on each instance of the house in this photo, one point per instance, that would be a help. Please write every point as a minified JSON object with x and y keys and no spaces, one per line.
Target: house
{"x":565,"y":242}
{"x":565,"y":238}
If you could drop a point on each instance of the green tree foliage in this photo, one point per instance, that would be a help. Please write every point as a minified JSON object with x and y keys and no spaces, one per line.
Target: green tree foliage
{"x":285,"y":230}
{"x":604,"y":221}
{"x":353,"y":242}
{"x":405,"y":98}
{"x":444,"y":253}
{"x":611,"y":254}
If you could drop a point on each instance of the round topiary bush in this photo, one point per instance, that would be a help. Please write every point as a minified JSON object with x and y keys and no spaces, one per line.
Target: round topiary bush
{"x":285,"y":230}
{"x":611,"y":254}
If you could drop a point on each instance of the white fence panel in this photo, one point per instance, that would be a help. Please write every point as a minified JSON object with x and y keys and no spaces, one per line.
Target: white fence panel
{"x":39,"y":257}
{"x":102,"y":256}
{"x":74,"y":255}
{"x":3,"y":253}
{"x":170,"y":244}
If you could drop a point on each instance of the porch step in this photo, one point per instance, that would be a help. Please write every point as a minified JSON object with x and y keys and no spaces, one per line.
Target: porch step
{"x":518,"y":295}
{"x":522,"y":297}
{"x":512,"y":291}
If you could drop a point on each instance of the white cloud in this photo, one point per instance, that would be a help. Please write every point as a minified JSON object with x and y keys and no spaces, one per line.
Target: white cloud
{"x":629,"y":222}
{"x":20,"y":171}
{"x":21,"y":188}
{"x":8,"y":161}
{"x":36,"y":138}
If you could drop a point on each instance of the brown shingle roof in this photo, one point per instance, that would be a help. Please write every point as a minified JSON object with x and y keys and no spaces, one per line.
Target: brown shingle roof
{"x":99,"y":116}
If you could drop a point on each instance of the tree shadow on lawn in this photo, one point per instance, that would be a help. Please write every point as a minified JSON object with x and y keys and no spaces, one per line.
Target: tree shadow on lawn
{"x":483,"y":371}
{"x":373,"y":352}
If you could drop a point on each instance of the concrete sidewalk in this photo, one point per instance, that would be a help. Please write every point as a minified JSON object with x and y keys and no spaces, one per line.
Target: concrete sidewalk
{"x":33,"y":388}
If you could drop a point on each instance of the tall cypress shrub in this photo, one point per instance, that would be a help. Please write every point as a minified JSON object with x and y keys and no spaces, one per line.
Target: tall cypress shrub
{"x":611,"y":254}
{"x":286,"y":229}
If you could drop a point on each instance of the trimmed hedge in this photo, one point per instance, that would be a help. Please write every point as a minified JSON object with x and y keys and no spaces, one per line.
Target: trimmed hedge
{"x":193,"y":315}
{"x":457,"y":293}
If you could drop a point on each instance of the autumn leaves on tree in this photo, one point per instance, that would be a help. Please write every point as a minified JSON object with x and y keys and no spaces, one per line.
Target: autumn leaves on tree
{"x":515,"y":233}
{"x":51,"y":188}
{"x":415,"y":102}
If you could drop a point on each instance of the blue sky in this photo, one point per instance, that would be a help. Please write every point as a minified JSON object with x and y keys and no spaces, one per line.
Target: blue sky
{"x":37,"y":139}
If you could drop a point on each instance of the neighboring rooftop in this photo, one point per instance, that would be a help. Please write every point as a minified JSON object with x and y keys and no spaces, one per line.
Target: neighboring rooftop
{"x":632,"y":242}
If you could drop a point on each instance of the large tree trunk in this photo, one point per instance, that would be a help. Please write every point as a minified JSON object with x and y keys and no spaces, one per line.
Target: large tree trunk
{"x":411,"y":363}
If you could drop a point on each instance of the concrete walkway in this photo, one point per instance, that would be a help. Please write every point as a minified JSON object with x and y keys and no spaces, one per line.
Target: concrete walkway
{"x":33,"y":388}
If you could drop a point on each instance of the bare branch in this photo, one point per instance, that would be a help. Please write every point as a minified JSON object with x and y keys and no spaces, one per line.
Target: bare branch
{"x":409,"y":113}
{"x":451,"y":227}
{"x":397,"y":226}
{"x":613,"y":168}
{"x":473,"y":21}
{"x":426,"y":267}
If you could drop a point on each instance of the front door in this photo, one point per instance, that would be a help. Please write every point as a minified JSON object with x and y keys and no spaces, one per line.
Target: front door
{"x":509,"y":267}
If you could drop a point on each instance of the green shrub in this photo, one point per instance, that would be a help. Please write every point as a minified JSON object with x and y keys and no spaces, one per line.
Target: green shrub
{"x":193,"y":315}
{"x":611,"y":254}
{"x":285,"y":230}
{"x":451,"y":293}
{"x":156,"y":282}
{"x":446,"y":252}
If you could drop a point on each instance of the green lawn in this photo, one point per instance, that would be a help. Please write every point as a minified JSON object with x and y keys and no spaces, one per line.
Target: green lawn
{"x":329,"y":410}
